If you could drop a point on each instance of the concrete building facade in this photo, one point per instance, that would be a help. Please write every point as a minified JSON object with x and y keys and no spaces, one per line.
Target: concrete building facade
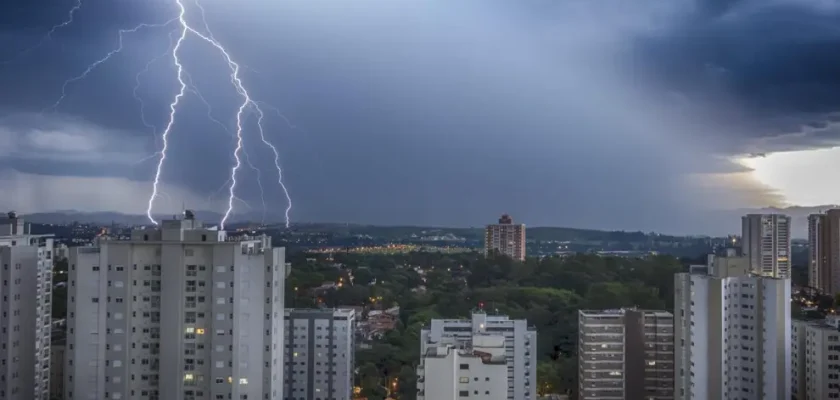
{"x":816,"y":360}
{"x":26,"y":305}
{"x":824,"y":252}
{"x":520,"y":346}
{"x":625,"y":354}
{"x":765,"y":240}
{"x":732,"y":336}
{"x":450,"y":373}
{"x":178,"y":311}
{"x":505,"y":238}
{"x":320,"y":348}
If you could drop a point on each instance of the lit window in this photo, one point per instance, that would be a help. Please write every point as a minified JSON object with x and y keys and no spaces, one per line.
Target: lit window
{"x":189,"y":330}
{"x":188,"y":377}
{"x":243,"y":381}
{"x":199,"y":331}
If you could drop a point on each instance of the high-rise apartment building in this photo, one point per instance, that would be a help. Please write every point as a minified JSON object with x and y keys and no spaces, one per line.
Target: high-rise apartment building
{"x":816,"y":360}
{"x":732,"y":334}
{"x":452,"y":373}
{"x":625,"y":354}
{"x":765,"y":240}
{"x":178,"y":311}
{"x":320,"y":347}
{"x":26,"y":305}
{"x":505,"y":238}
{"x":520,"y":346}
{"x":824,"y":252}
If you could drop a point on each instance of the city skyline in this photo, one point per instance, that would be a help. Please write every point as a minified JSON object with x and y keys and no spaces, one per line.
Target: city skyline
{"x":574,"y":140}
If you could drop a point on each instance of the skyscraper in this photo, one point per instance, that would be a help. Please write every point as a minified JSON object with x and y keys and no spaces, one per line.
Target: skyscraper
{"x":320,"y":346}
{"x":732,"y":334}
{"x":626,"y":354}
{"x":505,"y":238}
{"x":178,"y":311}
{"x":26,"y":301}
{"x":765,"y":240}
{"x":824,"y":251}
{"x":520,"y":346}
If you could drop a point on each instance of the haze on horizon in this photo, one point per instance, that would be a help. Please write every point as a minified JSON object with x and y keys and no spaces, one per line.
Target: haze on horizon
{"x":599,"y":114}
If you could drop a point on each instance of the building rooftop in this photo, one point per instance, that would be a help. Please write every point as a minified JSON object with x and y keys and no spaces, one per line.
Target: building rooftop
{"x":486,"y":358}
{"x":829,"y":324}
{"x":622,"y":311}
{"x":342,"y":312}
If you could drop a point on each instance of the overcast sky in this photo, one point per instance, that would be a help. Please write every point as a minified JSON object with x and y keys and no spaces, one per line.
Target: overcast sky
{"x":585,"y":113}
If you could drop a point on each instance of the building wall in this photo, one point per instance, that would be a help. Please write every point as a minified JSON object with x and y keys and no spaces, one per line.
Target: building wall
{"x":824,"y":251}
{"x":741,"y":323}
{"x":814,"y":254}
{"x":817,"y":355}
{"x":320,"y":348}
{"x":57,"y":372}
{"x":186,"y":293}
{"x":798,"y":362}
{"x":626,"y":354}
{"x":448,"y":374}
{"x":520,"y":346}
{"x":26,"y":303}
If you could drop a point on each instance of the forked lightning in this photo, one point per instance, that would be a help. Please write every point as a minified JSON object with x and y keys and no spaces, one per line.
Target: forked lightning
{"x":247,"y":107}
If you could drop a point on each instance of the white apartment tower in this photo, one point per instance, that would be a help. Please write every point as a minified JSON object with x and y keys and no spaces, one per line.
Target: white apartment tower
{"x":320,"y":348}
{"x":452,"y":373}
{"x":626,"y":354}
{"x":26,"y":305}
{"x":816,"y":360}
{"x":765,"y":240}
{"x":520,"y":342}
{"x":178,"y":311}
{"x":732,"y":335}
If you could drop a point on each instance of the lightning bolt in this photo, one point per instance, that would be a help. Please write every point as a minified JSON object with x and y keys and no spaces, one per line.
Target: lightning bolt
{"x":247,"y":106}
{"x":91,"y":67}
{"x":213,"y":119}
{"x":260,"y":116}
{"x":247,"y":103}
{"x":152,"y":128}
{"x":48,"y":36}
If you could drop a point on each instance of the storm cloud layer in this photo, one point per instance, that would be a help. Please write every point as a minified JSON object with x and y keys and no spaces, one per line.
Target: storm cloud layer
{"x":601,"y":114}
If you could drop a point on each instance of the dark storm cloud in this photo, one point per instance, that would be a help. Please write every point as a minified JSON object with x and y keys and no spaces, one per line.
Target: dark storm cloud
{"x":591,"y":113}
{"x":776,"y":60}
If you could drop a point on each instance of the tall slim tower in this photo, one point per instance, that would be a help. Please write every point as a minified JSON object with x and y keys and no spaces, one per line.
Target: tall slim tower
{"x":824,"y":252}
{"x":26,"y":300}
{"x":766,"y":242}
{"x":505,"y":238}
{"x":179,"y":311}
{"x":815,"y":261}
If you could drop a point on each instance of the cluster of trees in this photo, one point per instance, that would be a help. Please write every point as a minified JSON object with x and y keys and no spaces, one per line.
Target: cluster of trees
{"x":547,"y":292}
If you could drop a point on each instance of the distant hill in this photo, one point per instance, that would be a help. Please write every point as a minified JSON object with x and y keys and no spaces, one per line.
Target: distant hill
{"x":798,"y":214}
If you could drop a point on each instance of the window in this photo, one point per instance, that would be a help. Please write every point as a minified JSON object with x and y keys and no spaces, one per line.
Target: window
{"x":464,"y":379}
{"x":465,"y":366}
{"x":464,"y":393}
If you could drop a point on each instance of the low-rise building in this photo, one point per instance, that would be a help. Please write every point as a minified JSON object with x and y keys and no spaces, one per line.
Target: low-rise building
{"x":449,"y":373}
